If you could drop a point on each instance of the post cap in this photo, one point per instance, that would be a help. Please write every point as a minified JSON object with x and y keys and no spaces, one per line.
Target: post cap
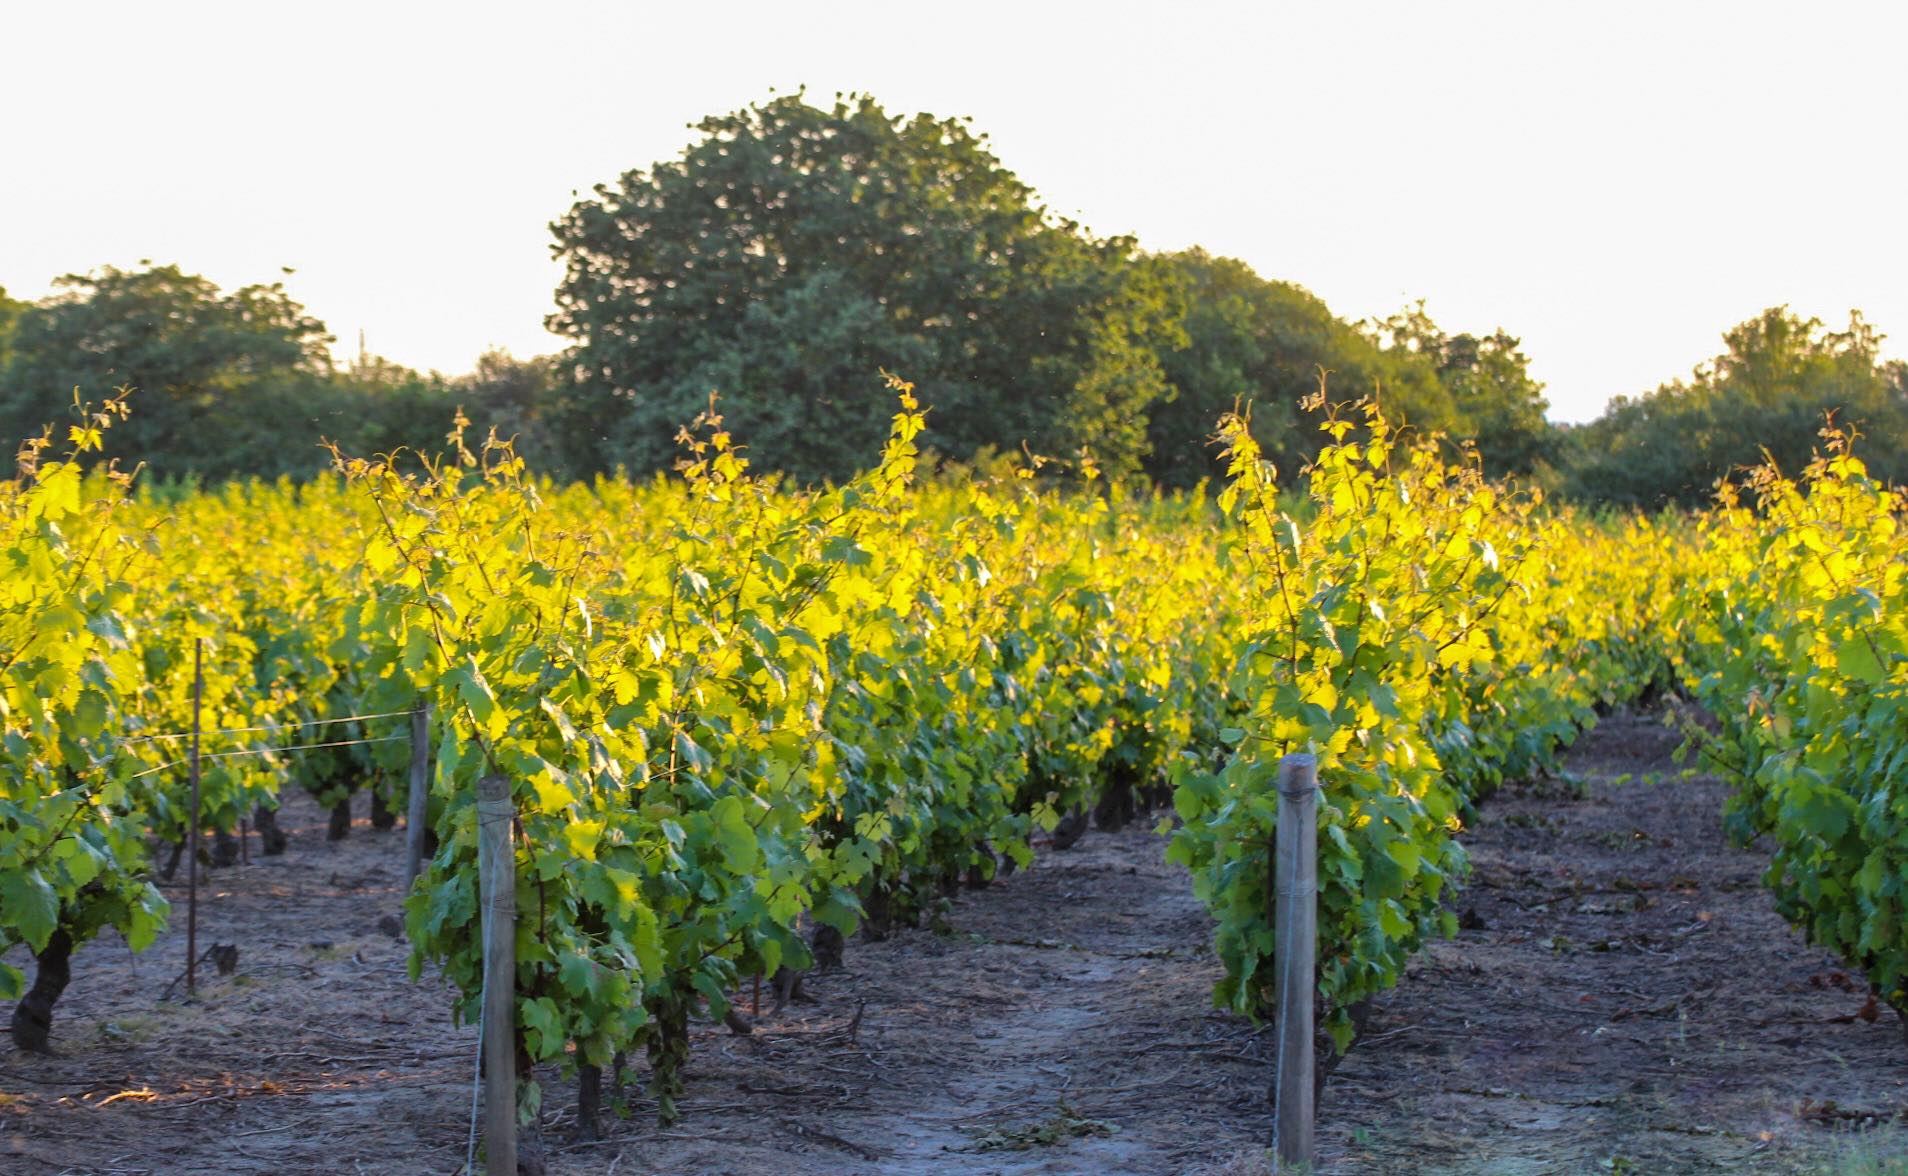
{"x":1298,"y":775}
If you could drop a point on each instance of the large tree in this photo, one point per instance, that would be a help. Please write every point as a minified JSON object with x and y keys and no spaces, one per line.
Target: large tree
{"x":239,"y":384}
{"x":519,"y":400}
{"x":212,"y":375}
{"x":10,"y":311}
{"x":793,"y":252}
{"x":1488,"y":395}
{"x":1270,"y":343}
{"x":1776,"y":384}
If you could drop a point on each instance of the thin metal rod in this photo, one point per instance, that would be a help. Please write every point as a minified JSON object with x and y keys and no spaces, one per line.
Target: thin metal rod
{"x":192,"y":834}
{"x":497,"y":892}
{"x":418,"y":820}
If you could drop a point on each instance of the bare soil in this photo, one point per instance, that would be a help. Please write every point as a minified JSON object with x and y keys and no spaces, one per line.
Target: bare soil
{"x":1623,"y":999}
{"x":1630,"y":1001}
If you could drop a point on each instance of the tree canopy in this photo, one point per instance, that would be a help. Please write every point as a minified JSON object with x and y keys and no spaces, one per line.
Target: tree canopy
{"x":209,"y":371}
{"x":242,"y":384}
{"x":1770,"y":392}
{"x":1484,"y":390}
{"x":10,"y":311}
{"x":1272,"y":343}
{"x":793,"y":252}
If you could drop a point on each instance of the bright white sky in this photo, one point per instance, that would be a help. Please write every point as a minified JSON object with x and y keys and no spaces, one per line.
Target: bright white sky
{"x":1615,"y":183}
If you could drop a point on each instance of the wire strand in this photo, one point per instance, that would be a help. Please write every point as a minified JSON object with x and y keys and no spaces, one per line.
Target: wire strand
{"x":271,"y":751}
{"x":315,"y":722}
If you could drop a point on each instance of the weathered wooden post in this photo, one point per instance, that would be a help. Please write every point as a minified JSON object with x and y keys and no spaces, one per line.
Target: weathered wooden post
{"x":1296,"y":926}
{"x":497,"y":888}
{"x":417,"y":819}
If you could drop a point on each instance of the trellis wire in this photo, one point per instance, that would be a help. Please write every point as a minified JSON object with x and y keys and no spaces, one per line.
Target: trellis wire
{"x":266,"y":728}
{"x":273,"y":751}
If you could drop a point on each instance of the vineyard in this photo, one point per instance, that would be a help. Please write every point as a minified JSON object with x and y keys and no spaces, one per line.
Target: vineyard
{"x":760,"y":742}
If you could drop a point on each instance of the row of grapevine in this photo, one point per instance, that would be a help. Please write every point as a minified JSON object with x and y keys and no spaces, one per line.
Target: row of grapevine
{"x":783,"y":708}
{"x":71,"y":860}
{"x":1794,"y":623}
{"x":114,"y":596}
{"x":1427,"y":635}
{"x":740,"y":710}
{"x":741,"y":719}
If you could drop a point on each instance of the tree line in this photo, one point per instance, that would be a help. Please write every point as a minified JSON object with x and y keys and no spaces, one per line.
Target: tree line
{"x":794,"y":252}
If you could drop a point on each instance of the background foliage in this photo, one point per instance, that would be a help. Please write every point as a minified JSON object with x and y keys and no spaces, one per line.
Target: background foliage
{"x":795,"y":251}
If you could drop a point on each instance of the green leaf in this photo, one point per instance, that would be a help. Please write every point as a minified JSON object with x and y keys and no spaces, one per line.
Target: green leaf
{"x":417,"y":648}
{"x":579,"y":974}
{"x":645,"y":939}
{"x":1855,"y":658}
{"x":543,"y":1024}
{"x":843,"y":549}
{"x":29,"y":906}
{"x":1872,"y":873}
{"x":1407,"y":854}
{"x":89,"y":714}
{"x":554,"y":794}
{"x":691,"y":752}
{"x":146,"y":920}
{"x":582,"y":837}
{"x":469,"y":683}
{"x":734,"y":837}
{"x":840,"y":909}
{"x":712,"y":992}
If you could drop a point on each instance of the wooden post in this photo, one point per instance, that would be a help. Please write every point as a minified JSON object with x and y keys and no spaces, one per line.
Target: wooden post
{"x":192,"y":832}
{"x":497,"y":886}
{"x":1296,"y":926}
{"x":417,"y":821}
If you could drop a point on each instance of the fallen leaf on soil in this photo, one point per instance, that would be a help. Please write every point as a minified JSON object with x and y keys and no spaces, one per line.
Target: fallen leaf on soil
{"x":1869,"y":1012}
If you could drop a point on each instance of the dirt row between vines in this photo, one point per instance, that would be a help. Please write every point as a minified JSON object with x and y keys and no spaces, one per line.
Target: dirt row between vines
{"x":1623,"y":998}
